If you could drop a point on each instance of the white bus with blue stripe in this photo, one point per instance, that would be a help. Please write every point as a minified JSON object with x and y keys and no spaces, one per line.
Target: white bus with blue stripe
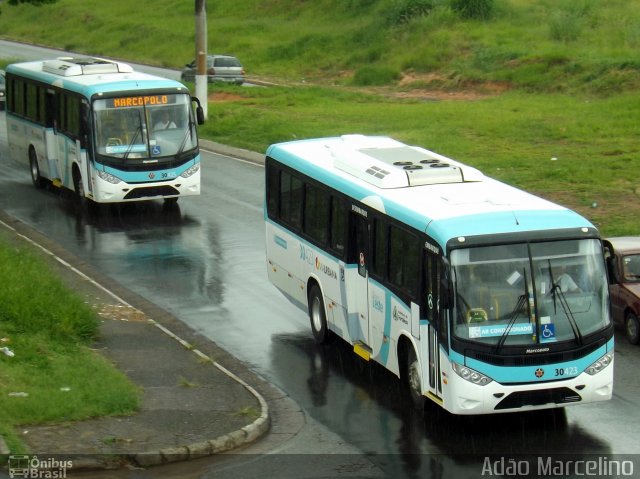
{"x":479,"y":296}
{"x":103,"y":130}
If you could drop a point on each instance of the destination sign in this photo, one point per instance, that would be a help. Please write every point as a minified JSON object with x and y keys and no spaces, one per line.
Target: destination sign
{"x":146,"y":100}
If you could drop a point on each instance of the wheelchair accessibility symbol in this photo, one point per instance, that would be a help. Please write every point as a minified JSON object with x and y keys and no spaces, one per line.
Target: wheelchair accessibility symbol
{"x":548,"y":333}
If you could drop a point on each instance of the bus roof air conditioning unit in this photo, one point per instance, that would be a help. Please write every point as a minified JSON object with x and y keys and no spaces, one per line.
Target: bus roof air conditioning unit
{"x":68,"y":66}
{"x":387,"y":163}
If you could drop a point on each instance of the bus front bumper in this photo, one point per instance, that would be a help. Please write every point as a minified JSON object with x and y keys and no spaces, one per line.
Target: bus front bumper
{"x":499,"y":398}
{"x":105,"y":192}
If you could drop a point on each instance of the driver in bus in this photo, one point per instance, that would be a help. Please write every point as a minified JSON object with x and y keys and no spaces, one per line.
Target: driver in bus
{"x":564,"y":281}
{"x":165,"y":122}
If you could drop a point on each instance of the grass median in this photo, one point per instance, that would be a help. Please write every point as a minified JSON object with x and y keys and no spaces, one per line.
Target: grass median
{"x":48,"y":372}
{"x":577,"y":150}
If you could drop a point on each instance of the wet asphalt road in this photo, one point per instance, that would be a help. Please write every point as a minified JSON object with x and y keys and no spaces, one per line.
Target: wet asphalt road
{"x":204,"y":262}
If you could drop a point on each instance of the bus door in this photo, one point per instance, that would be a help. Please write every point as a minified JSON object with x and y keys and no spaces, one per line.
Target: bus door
{"x":51,"y":140}
{"x":359,"y":242}
{"x":83,"y":146}
{"x":433,"y":315}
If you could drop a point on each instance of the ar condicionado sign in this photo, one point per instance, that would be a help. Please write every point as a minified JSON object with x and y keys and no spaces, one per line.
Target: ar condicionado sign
{"x":131,"y":101}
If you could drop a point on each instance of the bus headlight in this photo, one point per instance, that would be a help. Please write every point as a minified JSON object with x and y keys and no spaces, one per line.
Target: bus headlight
{"x":114,"y":180}
{"x":471,"y":375}
{"x":191,"y":171}
{"x":600,"y":364}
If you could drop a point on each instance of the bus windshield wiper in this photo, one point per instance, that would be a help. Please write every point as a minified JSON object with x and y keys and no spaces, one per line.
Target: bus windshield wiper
{"x":522,"y":301}
{"x":133,"y":141}
{"x":187,"y":133}
{"x":135,"y":137}
{"x":557,"y":290}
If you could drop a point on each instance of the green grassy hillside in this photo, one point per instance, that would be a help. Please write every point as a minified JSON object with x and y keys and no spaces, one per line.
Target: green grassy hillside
{"x":546,"y":45}
{"x":535,"y":80}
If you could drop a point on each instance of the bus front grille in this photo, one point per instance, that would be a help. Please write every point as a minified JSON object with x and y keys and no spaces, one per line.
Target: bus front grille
{"x":151,"y":191}
{"x":536,"y":359}
{"x":539,"y":398}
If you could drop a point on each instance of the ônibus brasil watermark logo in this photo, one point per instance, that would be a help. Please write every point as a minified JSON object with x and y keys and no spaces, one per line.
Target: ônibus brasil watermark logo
{"x":41,"y":468}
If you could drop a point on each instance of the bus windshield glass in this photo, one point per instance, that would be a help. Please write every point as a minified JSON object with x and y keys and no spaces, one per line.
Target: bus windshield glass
{"x":530,"y":294}
{"x":144,"y":126}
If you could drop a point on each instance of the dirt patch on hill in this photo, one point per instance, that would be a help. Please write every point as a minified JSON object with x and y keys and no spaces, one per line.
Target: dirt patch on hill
{"x":223,"y":96}
{"x":430,"y":86}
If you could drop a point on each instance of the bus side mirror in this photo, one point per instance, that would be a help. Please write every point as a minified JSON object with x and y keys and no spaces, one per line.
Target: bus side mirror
{"x":200,"y":115}
{"x":199,"y":110}
{"x":446,"y":285}
{"x":612,"y":270}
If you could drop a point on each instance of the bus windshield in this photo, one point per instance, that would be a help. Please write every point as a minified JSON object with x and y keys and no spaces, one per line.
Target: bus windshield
{"x":147,"y":126}
{"x":528,"y":294}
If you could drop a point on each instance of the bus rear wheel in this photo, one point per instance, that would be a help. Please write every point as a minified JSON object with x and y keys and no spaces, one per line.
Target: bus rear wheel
{"x":317,"y":315}
{"x":36,"y":178}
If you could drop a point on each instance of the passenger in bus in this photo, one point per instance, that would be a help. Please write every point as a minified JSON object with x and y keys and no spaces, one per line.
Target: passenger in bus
{"x":165,"y":121}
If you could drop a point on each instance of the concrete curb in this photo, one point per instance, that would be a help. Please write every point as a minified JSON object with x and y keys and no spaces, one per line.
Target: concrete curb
{"x":227,"y":442}
{"x":220,"y":149}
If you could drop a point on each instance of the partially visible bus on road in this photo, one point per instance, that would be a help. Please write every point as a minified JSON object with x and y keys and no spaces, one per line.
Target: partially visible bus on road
{"x":479,"y":296}
{"x":103,"y":130}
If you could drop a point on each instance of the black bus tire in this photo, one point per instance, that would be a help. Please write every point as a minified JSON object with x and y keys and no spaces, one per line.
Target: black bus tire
{"x":317,"y":315}
{"x":413,"y":382}
{"x":36,"y":178}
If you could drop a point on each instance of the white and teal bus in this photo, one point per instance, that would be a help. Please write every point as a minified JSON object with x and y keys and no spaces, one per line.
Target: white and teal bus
{"x":103,"y":130}
{"x":479,"y":296}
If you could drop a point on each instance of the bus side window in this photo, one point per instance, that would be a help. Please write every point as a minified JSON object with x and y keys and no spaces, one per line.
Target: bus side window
{"x":316,"y":214}
{"x":50,"y":108}
{"x":273,"y":190}
{"x":379,"y":265}
{"x":338,"y":225}
{"x":291,"y":188}
{"x":404,"y":258}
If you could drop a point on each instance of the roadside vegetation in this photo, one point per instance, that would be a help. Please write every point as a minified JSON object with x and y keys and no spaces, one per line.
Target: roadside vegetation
{"x":48,"y":373}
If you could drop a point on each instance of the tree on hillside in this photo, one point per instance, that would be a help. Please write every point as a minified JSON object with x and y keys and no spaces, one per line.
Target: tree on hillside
{"x":478,"y":9}
{"x":35,"y":2}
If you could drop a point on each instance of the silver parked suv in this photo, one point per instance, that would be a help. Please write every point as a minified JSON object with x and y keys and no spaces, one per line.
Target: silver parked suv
{"x":220,"y":68}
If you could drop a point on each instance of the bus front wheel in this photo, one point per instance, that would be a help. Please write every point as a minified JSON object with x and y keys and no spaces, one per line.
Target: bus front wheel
{"x":36,"y":178}
{"x":317,"y":315}
{"x":413,"y":382}
{"x":79,"y":187}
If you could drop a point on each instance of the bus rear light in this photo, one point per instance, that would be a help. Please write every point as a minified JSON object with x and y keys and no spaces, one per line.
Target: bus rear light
{"x":471,"y":375}
{"x":600,"y":364}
